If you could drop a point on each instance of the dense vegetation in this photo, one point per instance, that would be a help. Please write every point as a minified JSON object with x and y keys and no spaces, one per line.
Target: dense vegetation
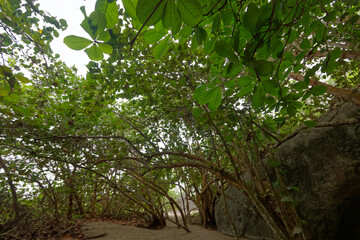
{"x":193,"y":94}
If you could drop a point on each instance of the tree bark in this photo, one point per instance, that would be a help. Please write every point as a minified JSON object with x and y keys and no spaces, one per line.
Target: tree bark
{"x":12,"y":187}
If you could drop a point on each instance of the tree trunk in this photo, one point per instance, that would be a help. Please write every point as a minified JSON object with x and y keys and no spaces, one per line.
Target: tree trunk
{"x":93,"y":199}
{"x":12,"y":187}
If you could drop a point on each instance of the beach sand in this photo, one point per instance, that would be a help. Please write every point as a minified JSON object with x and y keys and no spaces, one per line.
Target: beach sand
{"x":113,"y":231}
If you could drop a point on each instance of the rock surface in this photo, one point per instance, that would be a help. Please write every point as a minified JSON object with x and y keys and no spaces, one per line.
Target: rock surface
{"x":247,"y":221}
{"x":324,"y":163}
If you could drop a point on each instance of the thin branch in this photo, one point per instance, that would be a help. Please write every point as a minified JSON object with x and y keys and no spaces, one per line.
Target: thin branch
{"x":350,"y":121}
{"x":137,"y":34}
{"x":337,"y":92}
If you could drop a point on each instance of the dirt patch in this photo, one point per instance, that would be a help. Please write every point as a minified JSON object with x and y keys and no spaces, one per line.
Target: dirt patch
{"x":114,"y":231}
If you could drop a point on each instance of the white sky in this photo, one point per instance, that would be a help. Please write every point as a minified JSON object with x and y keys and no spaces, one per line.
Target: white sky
{"x":70,"y":11}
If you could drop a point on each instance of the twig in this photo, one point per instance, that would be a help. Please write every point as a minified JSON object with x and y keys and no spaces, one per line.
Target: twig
{"x":13,"y":236}
{"x":71,"y":227}
{"x":97,"y":236}
{"x":7,"y":233}
{"x":179,"y":225}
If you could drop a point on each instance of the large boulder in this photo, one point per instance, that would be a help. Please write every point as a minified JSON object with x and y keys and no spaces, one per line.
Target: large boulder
{"x":324,"y":163}
{"x":248,"y":223}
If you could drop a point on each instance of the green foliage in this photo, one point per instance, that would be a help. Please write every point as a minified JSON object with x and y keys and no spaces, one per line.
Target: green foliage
{"x":190,"y":11}
{"x":251,"y":17}
{"x":77,"y":43}
{"x":104,"y":17}
{"x":161,"y":48}
{"x":211,"y":96}
{"x":149,"y":12}
{"x":191,"y":92}
{"x":171,"y":17}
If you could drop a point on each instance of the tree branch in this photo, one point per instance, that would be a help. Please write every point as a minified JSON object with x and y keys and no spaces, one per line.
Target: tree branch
{"x":337,"y":92}
{"x":345,"y":122}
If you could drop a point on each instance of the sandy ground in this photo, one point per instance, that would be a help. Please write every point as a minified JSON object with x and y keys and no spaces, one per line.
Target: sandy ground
{"x":113,"y":231}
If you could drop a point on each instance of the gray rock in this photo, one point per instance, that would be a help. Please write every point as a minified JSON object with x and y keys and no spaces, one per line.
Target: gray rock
{"x":324,"y":163}
{"x":247,"y":221}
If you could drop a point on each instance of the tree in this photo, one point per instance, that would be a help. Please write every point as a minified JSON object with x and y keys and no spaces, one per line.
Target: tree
{"x":192,"y":93}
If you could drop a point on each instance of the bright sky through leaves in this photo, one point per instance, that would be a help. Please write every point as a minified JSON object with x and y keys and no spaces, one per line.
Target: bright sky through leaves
{"x":70,"y":11}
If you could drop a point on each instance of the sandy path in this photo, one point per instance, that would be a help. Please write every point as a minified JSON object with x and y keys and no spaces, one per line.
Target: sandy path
{"x":115,"y":231}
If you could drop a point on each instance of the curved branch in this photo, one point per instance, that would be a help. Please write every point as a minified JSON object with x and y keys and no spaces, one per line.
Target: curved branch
{"x":344,"y":122}
{"x":335,"y":91}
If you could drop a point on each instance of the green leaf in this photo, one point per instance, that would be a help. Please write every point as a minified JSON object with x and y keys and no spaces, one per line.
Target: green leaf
{"x":160,"y":49}
{"x":318,"y":90}
{"x":300,"y":86}
{"x":104,"y":36}
{"x":197,"y":112}
{"x":245,"y":81}
{"x":212,"y":96}
{"x":190,"y":11}
{"x":22,"y":78}
{"x":244,"y":91}
{"x":264,"y":68}
{"x":151,"y":36}
{"x":185,"y":32}
{"x":244,"y":33}
{"x":111,"y":15}
{"x":105,"y":48}
{"x":320,"y":32}
{"x":216,"y":24}
{"x":271,"y":86}
{"x":224,"y":50}
{"x":3,"y":92}
{"x":336,"y":53}
{"x":274,"y":163}
{"x":235,"y":69}
{"x":109,"y":10}
{"x":171,"y":17}
{"x":63,"y":23}
{"x":198,"y":91}
{"x":215,"y":100}
{"x":83,"y":10}
{"x":130,"y":7}
{"x":306,"y":96}
{"x":205,"y":96}
{"x":209,"y":46}
{"x":230,"y":84}
{"x":94,"y":53}
{"x":297,"y":105}
{"x":97,"y":23}
{"x":24,"y":110}
{"x":291,"y":110}
{"x":287,"y":199}
{"x":7,"y":40}
{"x":150,"y":11}
{"x":86,"y":26}
{"x":200,"y":35}
{"x":259,"y":97}
{"x":305,"y":44}
{"x":5,"y":71}
{"x":291,"y":3}
{"x":251,"y":17}
{"x":77,"y":43}
{"x":310,"y":123}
